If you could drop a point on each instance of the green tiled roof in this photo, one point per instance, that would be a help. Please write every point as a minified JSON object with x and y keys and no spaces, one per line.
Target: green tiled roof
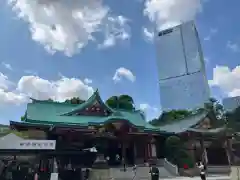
{"x":184,"y":124}
{"x":59,"y":113}
{"x":64,"y":114}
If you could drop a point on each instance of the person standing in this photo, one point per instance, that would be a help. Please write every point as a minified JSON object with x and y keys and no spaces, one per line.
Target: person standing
{"x":202,"y":171}
{"x":154,"y":172}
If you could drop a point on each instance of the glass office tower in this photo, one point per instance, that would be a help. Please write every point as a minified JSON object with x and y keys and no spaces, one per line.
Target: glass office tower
{"x":182,"y":78}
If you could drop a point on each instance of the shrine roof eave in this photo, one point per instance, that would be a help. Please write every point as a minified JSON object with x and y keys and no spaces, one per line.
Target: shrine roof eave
{"x":42,"y":126}
{"x":85,"y":123}
{"x":207,"y":131}
{"x":214,"y":133}
{"x":49,"y":127}
{"x":27,"y":125}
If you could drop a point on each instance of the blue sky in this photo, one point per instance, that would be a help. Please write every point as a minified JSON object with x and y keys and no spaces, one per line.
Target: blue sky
{"x":42,"y":50}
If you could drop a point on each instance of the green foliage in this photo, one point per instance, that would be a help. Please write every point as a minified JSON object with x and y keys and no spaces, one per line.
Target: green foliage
{"x":121,"y":102}
{"x":74,"y":100}
{"x":185,"y":158}
{"x":112,"y":102}
{"x":17,"y":133}
{"x":23,"y":118}
{"x":171,"y":116}
{"x":20,"y":134}
{"x":176,"y":152}
{"x":216,"y":112}
{"x":233,"y":119}
{"x":172,"y":145}
{"x":213,"y":107}
{"x":173,"y":142}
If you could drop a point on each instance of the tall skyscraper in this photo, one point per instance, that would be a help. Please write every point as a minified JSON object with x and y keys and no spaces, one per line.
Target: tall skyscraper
{"x":181,"y":68}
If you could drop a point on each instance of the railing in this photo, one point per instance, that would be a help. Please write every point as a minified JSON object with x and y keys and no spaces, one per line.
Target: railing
{"x":173,"y":169}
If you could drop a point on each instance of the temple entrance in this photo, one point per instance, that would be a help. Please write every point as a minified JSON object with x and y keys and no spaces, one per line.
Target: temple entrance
{"x":216,"y":154}
{"x":114,"y":152}
{"x":160,"y":147}
{"x":130,"y":154}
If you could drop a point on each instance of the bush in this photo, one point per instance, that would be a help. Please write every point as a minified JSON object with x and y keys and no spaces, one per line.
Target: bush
{"x":176,"y":154}
{"x":173,"y":142}
{"x":185,"y":158}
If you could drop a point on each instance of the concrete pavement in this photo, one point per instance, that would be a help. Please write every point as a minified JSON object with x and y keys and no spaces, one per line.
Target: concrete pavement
{"x":198,"y":178}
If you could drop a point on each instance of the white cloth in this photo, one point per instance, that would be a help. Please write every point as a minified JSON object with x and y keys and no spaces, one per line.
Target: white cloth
{"x":201,"y":168}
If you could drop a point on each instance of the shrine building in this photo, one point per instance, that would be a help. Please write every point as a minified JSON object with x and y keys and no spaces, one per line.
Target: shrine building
{"x":113,"y":131}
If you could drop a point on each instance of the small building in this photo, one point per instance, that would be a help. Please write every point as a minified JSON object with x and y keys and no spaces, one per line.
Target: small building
{"x":114,"y":132}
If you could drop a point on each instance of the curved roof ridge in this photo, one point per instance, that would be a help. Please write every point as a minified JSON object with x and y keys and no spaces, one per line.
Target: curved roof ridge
{"x":203,"y":113}
{"x":51,"y":102}
{"x":91,"y":99}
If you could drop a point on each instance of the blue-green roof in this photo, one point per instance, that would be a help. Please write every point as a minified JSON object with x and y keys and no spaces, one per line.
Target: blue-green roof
{"x":61,"y":113}
{"x":184,"y":124}
{"x":55,"y":113}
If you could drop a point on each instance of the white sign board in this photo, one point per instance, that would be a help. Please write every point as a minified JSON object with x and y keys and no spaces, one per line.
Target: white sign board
{"x":36,"y":144}
{"x":5,"y":143}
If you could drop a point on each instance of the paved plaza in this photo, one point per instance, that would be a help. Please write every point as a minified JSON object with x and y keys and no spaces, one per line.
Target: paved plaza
{"x":198,"y":178}
{"x":180,"y":178}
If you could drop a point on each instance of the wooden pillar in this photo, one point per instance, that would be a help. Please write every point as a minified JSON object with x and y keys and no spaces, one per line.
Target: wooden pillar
{"x":146,"y":151}
{"x":203,"y":152}
{"x":150,"y":150}
{"x":229,"y":151}
{"x":124,"y":155}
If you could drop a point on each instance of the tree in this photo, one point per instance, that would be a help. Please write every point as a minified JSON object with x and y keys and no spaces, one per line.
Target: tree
{"x":176,"y":153}
{"x":74,"y":100}
{"x":171,"y":116}
{"x":23,"y":118}
{"x":112,"y":102}
{"x":216,"y":112}
{"x":172,"y":146}
{"x":121,"y":102}
{"x":233,"y":119}
{"x":215,"y":108}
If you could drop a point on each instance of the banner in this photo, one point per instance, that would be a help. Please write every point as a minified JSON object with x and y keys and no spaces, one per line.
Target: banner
{"x":28,"y":144}
{"x":36,"y":144}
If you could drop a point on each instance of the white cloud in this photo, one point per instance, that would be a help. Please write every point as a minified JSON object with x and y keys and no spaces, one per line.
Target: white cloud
{"x":7,"y":66}
{"x":207,"y":38}
{"x":7,"y":96}
{"x":60,"y":90}
{"x":4,"y":82}
{"x":168,"y":13}
{"x":148,"y":34}
{"x":233,"y":46}
{"x":150,"y":111}
{"x":42,"y":89}
{"x":87,"y":81}
{"x":123,"y":73}
{"x":145,"y":107}
{"x":227,"y":80}
{"x":68,"y":27}
{"x":117,"y":30}
{"x":212,"y":32}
